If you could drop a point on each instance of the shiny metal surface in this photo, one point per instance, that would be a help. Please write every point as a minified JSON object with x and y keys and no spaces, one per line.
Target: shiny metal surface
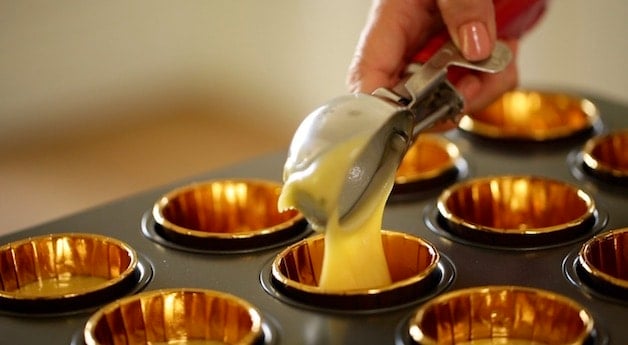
{"x":511,"y":203}
{"x":501,"y":315}
{"x":604,"y":259}
{"x":50,"y":271}
{"x":411,"y":263}
{"x":606,"y":156}
{"x":386,"y":126}
{"x":516,"y":208}
{"x":389,"y":120}
{"x":243,"y":274}
{"x":424,"y":81}
{"x":176,"y":316}
{"x":533,"y":115}
{"x":429,"y":156}
{"x":225,"y":214}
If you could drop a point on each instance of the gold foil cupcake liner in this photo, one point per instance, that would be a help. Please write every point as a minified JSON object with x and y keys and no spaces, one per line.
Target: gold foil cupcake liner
{"x":176,"y":316}
{"x":518,"y":212}
{"x":67,"y":272}
{"x":602,"y":263}
{"x":606,"y":157}
{"x":534,"y":116}
{"x":417,"y":270}
{"x":501,"y":315}
{"x":224,"y":216}
{"x":431,"y":162}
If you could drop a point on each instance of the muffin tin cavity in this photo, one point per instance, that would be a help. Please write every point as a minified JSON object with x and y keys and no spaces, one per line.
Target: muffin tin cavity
{"x":600,"y":266}
{"x":533,"y":115}
{"x":431,"y":163}
{"x":417,"y":270}
{"x":67,"y":272}
{"x":515,"y":211}
{"x":501,"y":315}
{"x":223,"y":216}
{"x":169,"y":316}
{"x":606,"y":157}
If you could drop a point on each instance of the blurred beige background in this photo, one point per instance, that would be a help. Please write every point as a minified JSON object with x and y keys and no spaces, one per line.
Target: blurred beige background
{"x":101,"y":100}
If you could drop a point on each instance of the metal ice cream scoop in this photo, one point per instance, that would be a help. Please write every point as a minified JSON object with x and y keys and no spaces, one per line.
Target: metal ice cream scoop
{"x":392,"y":118}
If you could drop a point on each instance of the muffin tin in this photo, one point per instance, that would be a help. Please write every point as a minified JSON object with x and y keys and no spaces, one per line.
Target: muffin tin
{"x":269,"y":266}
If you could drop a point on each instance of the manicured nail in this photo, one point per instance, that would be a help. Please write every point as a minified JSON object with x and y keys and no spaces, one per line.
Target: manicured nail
{"x":475,"y":42}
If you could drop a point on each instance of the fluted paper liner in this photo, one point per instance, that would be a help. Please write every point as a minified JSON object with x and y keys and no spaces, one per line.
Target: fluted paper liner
{"x":532,"y":116}
{"x":604,"y":260}
{"x":412,"y":263}
{"x":501,"y":315}
{"x":606,"y":156}
{"x":176,"y":316}
{"x":516,"y":210}
{"x":430,"y":161}
{"x":57,"y":272}
{"x":226,"y":214}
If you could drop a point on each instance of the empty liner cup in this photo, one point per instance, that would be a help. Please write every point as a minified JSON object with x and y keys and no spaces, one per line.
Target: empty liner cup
{"x":501,"y":315}
{"x":176,"y":316}
{"x":532,"y":116}
{"x":238,"y":214}
{"x":603,"y":263}
{"x":606,"y":157}
{"x":412,"y":263}
{"x":429,"y":162}
{"x":63,"y":272}
{"x":516,"y":211}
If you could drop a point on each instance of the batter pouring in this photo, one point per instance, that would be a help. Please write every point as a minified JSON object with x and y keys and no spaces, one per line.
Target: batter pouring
{"x":354,"y":256}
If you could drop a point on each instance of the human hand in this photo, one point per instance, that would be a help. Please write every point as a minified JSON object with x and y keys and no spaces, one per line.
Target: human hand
{"x":397,"y":29}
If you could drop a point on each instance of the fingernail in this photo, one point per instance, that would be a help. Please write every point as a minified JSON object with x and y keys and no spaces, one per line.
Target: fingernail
{"x":475,"y":43}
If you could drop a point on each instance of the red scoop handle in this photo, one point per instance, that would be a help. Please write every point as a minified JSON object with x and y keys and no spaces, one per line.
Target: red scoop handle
{"x":512,"y":18}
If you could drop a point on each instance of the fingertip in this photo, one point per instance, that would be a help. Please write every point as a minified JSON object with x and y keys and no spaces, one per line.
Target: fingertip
{"x":471,"y":24}
{"x":474,"y":41}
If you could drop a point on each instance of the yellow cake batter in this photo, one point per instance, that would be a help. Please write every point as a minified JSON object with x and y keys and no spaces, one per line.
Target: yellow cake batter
{"x":354,"y":255}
